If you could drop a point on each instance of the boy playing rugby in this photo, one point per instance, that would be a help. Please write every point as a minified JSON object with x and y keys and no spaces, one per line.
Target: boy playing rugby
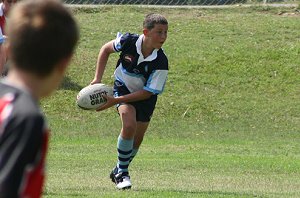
{"x":140,"y":75}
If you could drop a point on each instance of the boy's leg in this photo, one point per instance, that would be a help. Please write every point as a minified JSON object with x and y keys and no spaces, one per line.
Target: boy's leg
{"x":126,"y":138}
{"x":138,"y":138}
{"x":125,"y":145}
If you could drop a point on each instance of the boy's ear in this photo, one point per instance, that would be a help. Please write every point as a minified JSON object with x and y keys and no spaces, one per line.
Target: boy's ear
{"x":63,"y":64}
{"x":145,"y":31}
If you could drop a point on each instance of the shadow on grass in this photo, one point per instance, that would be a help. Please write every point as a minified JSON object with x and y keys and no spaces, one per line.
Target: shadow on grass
{"x":197,"y":193}
{"x":153,"y":193}
{"x":67,"y":84}
{"x":63,"y":194}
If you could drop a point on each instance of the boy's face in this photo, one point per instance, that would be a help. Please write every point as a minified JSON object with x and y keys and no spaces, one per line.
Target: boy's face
{"x":157,"y":35}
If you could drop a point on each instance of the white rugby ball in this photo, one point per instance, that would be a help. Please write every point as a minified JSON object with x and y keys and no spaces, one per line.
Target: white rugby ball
{"x":91,"y":96}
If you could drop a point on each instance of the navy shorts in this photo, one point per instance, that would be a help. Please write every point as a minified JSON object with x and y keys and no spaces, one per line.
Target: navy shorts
{"x":144,"y":108}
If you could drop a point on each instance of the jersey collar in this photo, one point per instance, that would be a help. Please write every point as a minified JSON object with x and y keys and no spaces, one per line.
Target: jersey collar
{"x":138,"y":45}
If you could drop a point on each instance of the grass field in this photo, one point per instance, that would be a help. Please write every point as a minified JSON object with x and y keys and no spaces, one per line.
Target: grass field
{"x":227,"y":125}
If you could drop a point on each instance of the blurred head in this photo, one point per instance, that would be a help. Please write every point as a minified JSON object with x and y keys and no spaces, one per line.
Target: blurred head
{"x":41,"y":34}
{"x":7,"y":4}
{"x":155,"y":29}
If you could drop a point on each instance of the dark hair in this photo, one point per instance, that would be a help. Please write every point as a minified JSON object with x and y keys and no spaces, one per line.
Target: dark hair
{"x":152,"y":19}
{"x":41,"y":33}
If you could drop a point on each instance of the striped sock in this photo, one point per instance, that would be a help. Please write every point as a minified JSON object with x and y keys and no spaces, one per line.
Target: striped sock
{"x":133,"y":154}
{"x":124,"y":152}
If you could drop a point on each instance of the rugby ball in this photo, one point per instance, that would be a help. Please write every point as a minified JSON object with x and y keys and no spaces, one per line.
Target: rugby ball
{"x":91,"y":96}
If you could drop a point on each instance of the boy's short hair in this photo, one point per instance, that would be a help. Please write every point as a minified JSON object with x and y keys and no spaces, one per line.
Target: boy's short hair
{"x":41,"y":33}
{"x":152,"y":19}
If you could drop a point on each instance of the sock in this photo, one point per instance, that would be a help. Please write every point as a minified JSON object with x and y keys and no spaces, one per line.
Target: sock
{"x":133,"y":154}
{"x":124,"y":152}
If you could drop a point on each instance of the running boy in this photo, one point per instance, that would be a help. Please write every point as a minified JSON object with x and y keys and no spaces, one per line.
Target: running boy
{"x":140,"y":75}
{"x":42,"y":38}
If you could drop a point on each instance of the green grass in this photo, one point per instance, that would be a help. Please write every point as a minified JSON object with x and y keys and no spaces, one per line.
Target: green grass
{"x":227,"y":124}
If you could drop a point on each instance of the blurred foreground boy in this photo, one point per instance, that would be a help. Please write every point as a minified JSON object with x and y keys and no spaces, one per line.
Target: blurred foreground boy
{"x":42,"y":37}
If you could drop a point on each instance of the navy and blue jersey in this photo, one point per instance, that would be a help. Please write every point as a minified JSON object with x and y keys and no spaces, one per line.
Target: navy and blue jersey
{"x":23,"y":144}
{"x":137,"y":72}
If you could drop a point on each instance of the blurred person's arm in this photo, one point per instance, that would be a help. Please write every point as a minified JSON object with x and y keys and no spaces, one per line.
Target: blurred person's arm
{"x":2,"y":53}
{"x":2,"y":58}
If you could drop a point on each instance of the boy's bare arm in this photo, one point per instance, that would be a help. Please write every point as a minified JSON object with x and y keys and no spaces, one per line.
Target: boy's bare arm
{"x":103,"y":56}
{"x":2,"y":58}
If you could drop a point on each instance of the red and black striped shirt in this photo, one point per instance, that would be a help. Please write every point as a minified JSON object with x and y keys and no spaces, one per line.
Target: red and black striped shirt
{"x":23,"y":144}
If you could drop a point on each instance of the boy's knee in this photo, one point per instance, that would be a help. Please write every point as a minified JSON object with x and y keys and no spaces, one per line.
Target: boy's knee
{"x":129,"y":128}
